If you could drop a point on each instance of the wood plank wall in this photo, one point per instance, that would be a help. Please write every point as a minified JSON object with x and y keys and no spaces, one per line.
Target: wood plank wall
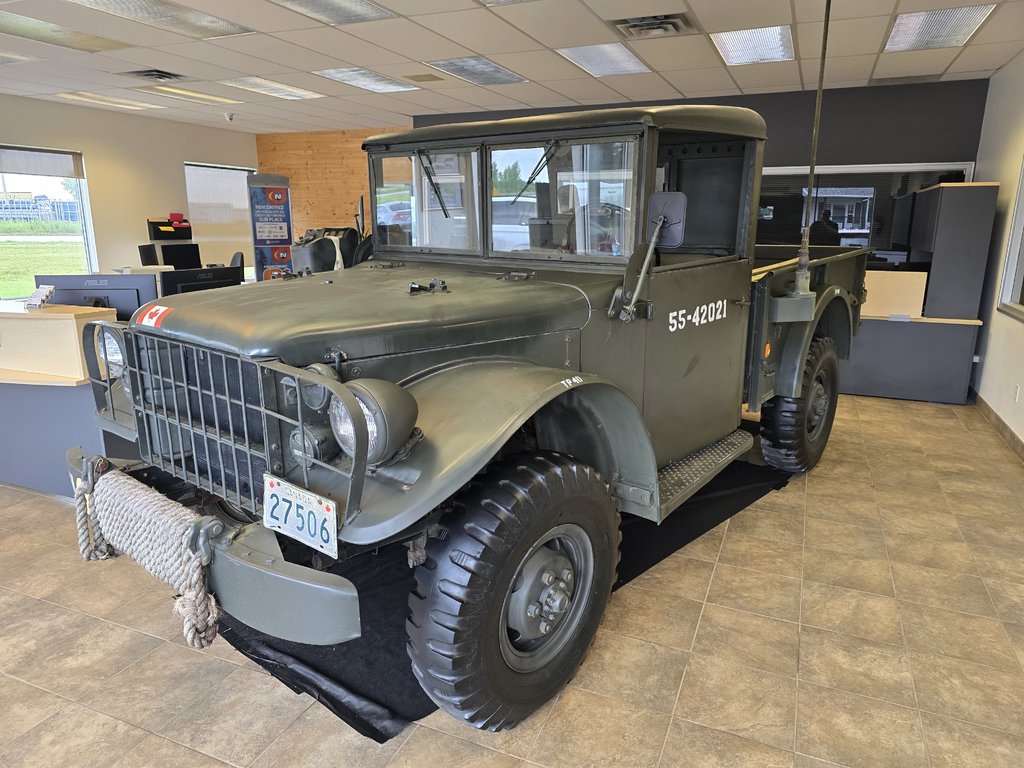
{"x":328,"y":173}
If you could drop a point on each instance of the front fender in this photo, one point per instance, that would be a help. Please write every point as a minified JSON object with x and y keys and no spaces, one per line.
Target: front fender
{"x":469,"y":411}
{"x":833,"y":312}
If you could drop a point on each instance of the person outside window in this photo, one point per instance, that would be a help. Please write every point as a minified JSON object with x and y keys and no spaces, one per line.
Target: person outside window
{"x":824,"y":231}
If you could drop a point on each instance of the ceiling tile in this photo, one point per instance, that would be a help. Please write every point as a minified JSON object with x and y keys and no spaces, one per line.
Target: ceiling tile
{"x":63,"y":67}
{"x":318,"y":84}
{"x":212,"y":53}
{"x":846,"y":37}
{"x":261,"y":15}
{"x":416,"y":7}
{"x":538,"y":65}
{"x":839,"y":70}
{"x":157,"y":58}
{"x":616,"y":9}
{"x":814,"y":10}
{"x":711,"y":79}
{"x":530,"y":94}
{"x":410,"y":38}
{"x":680,"y":52}
{"x":584,"y":89}
{"x":274,"y":49}
{"x":716,"y":16}
{"x":95,"y":22}
{"x":558,"y":23}
{"x":909,"y":63}
{"x":976,"y":58}
{"x":436,"y":100}
{"x":334,"y":42}
{"x":712,"y":94}
{"x":479,"y":30}
{"x":644,"y":87}
{"x":1005,"y":23}
{"x":33,"y":48}
{"x":984,"y":75}
{"x":482,"y":97}
{"x":405,"y":69}
{"x":767,"y":75}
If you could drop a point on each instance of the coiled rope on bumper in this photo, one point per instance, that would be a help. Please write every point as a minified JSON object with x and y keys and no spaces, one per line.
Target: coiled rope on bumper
{"x":118,"y":514}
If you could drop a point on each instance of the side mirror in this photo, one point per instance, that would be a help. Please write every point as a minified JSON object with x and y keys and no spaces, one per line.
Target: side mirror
{"x":671,"y":205}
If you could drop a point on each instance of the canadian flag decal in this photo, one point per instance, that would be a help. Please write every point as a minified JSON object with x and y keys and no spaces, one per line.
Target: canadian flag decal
{"x":154,"y":316}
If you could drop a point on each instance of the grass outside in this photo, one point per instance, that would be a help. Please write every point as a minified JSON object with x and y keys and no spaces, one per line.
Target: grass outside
{"x":21,"y":262}
{"x":40,"y":228}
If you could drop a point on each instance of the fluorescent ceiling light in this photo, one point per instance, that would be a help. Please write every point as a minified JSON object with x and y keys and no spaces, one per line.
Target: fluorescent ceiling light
{"x":367,"y":80}
{"x":477,"y":69}
{"x":169,"y":16}
{"x":55,"y":34}
{"x":754,"y":46}
{"x":947,"y":28}
{"x":338,"y":11}
{"x":9,"y":57}
{"x":173,"y":92}
{"x":271,"y":88}
{"x":502,"y":2}
{"x":108,"y":101}
{"x":604,"y":60}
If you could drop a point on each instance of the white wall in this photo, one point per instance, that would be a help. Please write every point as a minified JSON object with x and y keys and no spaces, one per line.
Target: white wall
{"x":134,"y":165}
{"x":999,"y":159}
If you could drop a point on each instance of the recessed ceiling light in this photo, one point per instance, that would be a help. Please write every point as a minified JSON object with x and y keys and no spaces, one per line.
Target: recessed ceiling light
{"x":338,"y":11}
{"x":604,"y":60}
{"x":947,"y":28}
{"x":754,"y":46}
{"x":108,"y":101}
{"x":271,"y":88}
{"x":365,"y":79}
{"x":9,"y":57}
{"x":169,"y":16}
{"x":502,"y":2}
{"x":173,"y":92}
{"x":478,"y":70}
{"x":55,"y":34}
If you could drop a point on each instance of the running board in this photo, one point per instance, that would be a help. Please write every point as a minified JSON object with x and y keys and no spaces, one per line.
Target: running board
{"x":681,"y":479}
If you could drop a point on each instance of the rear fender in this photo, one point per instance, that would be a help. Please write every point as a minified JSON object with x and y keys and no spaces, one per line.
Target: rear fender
{"x":833,"y":316}
{"x":470,"y":411}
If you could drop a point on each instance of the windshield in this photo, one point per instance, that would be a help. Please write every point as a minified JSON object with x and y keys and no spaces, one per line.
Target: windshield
{"x":428,"y":199}
{"x":564,"y":198}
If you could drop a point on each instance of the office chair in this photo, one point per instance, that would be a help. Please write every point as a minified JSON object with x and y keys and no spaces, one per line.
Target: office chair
{"x":238,"y":259}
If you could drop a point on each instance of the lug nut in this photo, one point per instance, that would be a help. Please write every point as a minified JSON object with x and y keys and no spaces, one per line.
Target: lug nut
{"x":544,"y":627}
{"x":566,"y":575}
{"x":547,"y":577}
{"x":562,"y":585}
{"x":533,"y":611}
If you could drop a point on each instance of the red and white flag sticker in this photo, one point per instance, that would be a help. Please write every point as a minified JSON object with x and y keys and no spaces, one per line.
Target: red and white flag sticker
{"x":154,"y":316}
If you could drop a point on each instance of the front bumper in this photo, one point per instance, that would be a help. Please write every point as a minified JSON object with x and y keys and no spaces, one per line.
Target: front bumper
{"x":252,"y":581}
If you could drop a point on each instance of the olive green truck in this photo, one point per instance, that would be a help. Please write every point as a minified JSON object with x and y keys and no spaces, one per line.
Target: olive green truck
{"x":567,"y":322}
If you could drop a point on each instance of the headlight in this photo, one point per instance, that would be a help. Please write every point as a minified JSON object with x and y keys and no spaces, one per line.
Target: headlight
{"x":312,"y":442}
{"x":317,"y":396}
{"x":390,"y":414}
{"x":112,"y":355}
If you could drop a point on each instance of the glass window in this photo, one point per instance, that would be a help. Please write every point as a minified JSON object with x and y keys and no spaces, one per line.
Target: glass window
{"x":564,"y":198}
{"x":218,"y":208}
{"x":43,"y":218}
{"x":428,"y":199}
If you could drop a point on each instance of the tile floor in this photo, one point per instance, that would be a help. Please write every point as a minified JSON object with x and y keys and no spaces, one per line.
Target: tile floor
{"x":870,"y":614}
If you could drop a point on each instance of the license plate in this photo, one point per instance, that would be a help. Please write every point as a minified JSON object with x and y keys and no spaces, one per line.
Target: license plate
{"x":300,"y":515}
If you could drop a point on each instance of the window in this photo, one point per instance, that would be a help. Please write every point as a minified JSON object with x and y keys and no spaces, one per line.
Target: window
{"x":44,"y":218}
{"x":218,"y":208}
{"x":428,"y":200}
{"x":1013,"y":276}
{"x":564,"y":198}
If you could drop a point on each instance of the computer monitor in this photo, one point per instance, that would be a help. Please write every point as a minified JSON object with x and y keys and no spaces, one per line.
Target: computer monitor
{"x":181,"y":255}
{"x":124,"y":293}
{"x":188,"y":280}
{"x":148,"y":255}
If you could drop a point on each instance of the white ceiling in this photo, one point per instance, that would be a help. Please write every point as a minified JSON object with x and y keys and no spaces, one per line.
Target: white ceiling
{"x":288,"y":46}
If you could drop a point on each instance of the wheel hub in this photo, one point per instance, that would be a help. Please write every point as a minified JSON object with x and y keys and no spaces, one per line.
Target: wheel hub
{"x":818,"y":403}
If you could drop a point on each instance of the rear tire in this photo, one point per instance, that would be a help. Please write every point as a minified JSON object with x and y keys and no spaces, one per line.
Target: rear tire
{"x":508,"y":603}
{"x":795,"y":430}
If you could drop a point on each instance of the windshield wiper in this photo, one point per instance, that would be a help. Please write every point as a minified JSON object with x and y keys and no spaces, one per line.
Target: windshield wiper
{"x":541,"y":165}
{"x":428,"y":169}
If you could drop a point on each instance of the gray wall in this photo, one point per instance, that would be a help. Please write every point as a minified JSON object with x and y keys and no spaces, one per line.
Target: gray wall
{"x":917,"y":123}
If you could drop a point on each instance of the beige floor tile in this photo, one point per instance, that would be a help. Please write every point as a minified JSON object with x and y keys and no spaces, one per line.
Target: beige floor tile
{"x":705,"y":547}
{"x":843,"y":463}
{"x":998,"y":563}
{"x":639,"y":673}
{"x":652,"y":616}
{"x":905,"y":474}
{"x":24,"y":707}
{"x":152,"y":613}
{"x":75,"y":736}
{"x":968,"y":486}
{"x":238,"y":718}
{"x":586,"y":730}
{"x":803,"y":761}
{"x":857,"y":731}
{"x":921,"y":523}
{"x":856,"y":665}
{"x":428,"y":747}
{"x":945,"y":589}
{"x":1016,"y":634}
{"x":160,"y":686}
{"x":960,"y":635}
{"x":746,"y":702}
{"x":895,"y":497}
{"x":770,"y":524}
{"x":16,"y":549}
{"x":992,"y":533}
{"x":678,"y":575}
{"x":157,"y":752}
{"x":842,"y":500}
{"x":930,"y":553}
{"x":762,"y":554}
{"x":843,"y":537}
{"x":693,"y":746}
{"x":849,"y":571}
{"x":756,"y":592}
{"x":1008,"y":599}
{"x":755,"y":641}
{"x":872,"y":617}
{"x":516,"y":741}
{"x":953,"y":744}
{"x":966,"y":691}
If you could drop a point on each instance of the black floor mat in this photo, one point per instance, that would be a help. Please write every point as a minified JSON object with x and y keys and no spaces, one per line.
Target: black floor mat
{"x":368,"y":683}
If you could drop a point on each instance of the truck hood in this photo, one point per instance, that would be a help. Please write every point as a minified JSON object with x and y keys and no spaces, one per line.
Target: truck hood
{"x":366,"y":311}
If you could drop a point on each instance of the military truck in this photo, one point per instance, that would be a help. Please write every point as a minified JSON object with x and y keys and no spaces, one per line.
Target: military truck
{"x":496,"y":411}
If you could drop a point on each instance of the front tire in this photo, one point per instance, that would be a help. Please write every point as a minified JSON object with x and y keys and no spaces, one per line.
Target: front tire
{"x":507,"y":604}
{"x":795,"y":430}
